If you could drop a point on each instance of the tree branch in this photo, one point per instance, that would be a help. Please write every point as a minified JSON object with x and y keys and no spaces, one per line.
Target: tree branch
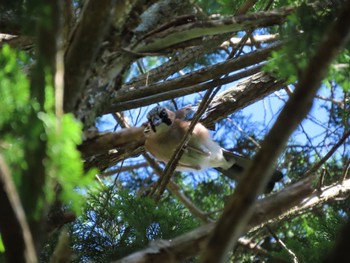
{"x":196,"y":77}
{"x":84,"y":46}
{"x":176,"y":92}
{"x":184,"y":32}
{"x":15,"y":233}
{"x":104,"y":142}
{"x":243,"y":94}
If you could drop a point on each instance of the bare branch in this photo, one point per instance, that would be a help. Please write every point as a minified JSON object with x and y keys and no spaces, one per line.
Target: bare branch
{"x":15,"y":233}
{"x":283,"y":245}
{"x":178,"y":34}
{"x":329,"y":154}
{"x":111,"y":140}
{"x":196,"y":77}
{"x":243,"y":94}
{"x":166,"y":94}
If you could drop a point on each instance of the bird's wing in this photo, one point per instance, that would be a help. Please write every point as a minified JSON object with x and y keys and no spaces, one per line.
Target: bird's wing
{"x":184,"y":113}
{"x":197,"y":150}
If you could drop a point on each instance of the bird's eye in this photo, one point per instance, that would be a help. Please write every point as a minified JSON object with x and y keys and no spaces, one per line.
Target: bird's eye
{"x":162,"y":113}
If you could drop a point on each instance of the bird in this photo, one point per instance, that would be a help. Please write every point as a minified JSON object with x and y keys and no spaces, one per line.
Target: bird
{"x":164,"y":131}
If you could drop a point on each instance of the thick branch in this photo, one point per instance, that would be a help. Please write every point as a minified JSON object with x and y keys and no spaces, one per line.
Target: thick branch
{"x":34,"y":176}
{"x":243,"y":94}
{"x":240,"y":208}
{"x":179,"y":91}
{"x":111,"y":140}
{"x":196,"y":77}
{"x":130,"y":95}
{"x":84,"y":46}
{"x":178,"y":34}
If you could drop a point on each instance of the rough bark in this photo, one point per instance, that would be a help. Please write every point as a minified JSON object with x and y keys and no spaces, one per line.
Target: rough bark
{"x":83,"y":48}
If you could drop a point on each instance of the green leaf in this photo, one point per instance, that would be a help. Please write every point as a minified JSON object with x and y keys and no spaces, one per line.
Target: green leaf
{"x":2,"y":247}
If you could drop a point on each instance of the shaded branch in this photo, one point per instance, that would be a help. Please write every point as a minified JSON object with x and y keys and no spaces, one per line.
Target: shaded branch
{"x":196,"y":77}
{"x":181,"y":91}
{"x":111,"y":140}
{"x":33,"y":178}
{"x":178,"y":34}
{"x":84,"y":46}
{"x":14,"y":229}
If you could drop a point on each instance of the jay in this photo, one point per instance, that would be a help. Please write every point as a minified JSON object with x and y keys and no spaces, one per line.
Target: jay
{"x":164,"y":131}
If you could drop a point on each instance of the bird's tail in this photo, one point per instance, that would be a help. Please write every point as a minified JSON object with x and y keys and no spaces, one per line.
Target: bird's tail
{"x":240,"y":164}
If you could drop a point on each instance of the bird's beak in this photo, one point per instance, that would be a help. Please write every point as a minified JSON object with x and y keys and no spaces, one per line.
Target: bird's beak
{"x":156,"y":121}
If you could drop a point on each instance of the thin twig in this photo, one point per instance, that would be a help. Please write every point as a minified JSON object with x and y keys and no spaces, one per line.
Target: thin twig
{"x":279,"y":241}
{"x":345,"y":174}
{"x":328,"y":155}
{"x":124,"y":169}
{"x":175,"y":190}
{"x":321,"y":180}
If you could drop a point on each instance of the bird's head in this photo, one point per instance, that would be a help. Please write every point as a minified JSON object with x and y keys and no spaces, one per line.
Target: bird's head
{"x":159,"y":118}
